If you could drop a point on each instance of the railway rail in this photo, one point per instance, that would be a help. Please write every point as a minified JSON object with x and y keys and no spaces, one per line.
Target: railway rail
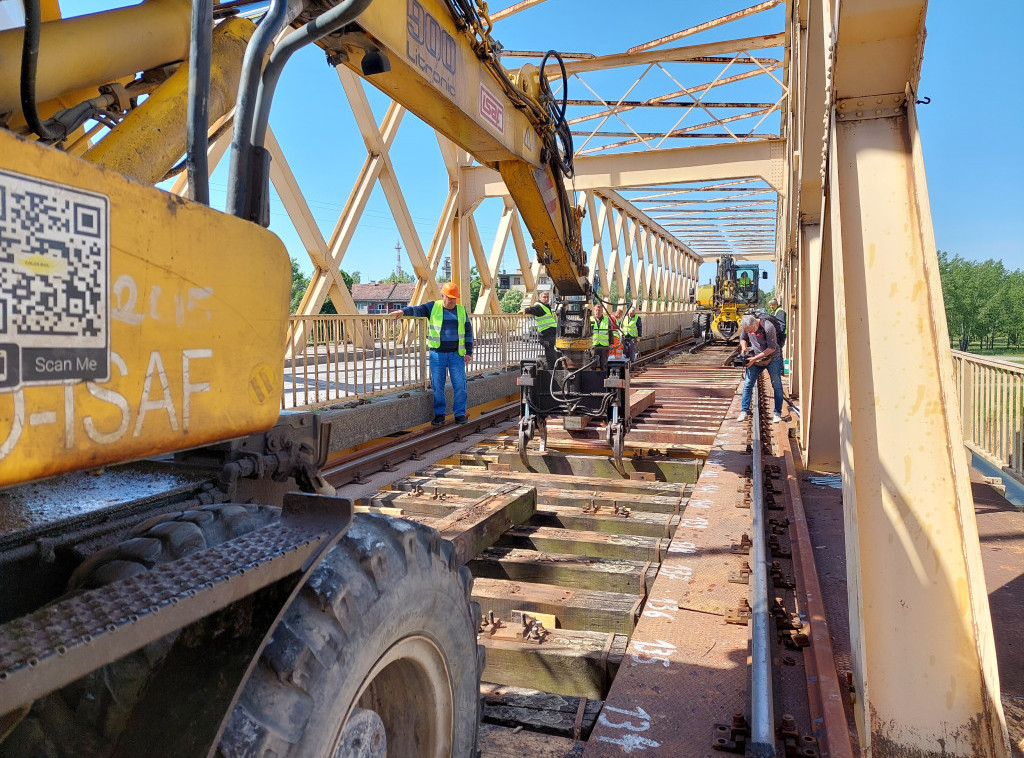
{"x":614,"y":606}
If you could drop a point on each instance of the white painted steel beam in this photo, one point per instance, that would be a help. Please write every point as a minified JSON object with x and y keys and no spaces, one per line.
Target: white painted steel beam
{"x":914,"y":558}
{"x":762,"y":159}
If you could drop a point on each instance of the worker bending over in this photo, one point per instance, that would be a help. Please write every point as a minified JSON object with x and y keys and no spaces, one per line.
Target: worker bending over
{"x":759,"y":344}
{"x":450,"y":339}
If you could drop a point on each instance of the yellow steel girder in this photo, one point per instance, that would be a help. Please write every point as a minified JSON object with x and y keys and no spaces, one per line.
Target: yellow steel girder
{"x":129,"y":327}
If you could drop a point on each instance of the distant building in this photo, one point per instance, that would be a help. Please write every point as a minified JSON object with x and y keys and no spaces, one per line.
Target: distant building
{"x":516,"y":282}
{"x":378,"y":298}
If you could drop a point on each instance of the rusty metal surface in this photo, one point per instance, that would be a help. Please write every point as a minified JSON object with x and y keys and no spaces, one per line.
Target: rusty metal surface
{"x":29,"y":510}
{"x":684,"y":670}
{"x":828,"y":693}
{"x":712,"y":523}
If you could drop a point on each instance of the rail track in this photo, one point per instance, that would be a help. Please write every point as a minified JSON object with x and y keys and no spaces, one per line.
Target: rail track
{"x":607,"y":599}
{"x":614,"y":605}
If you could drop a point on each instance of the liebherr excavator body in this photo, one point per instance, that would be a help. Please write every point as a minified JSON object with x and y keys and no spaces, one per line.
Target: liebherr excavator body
{"x":722,"y":304}
{"x":135,"y":323}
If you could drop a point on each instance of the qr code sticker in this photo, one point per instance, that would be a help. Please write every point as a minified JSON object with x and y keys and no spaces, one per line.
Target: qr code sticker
{"x":54,"y":264}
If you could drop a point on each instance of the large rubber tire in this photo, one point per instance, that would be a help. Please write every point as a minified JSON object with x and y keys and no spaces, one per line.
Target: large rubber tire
{"x":85,"y":718}
{"x":385,"y":623}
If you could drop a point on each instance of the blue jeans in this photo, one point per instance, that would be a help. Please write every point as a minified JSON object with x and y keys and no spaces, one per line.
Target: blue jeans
{"x":441,"y":365}
{"x":774,"y":373}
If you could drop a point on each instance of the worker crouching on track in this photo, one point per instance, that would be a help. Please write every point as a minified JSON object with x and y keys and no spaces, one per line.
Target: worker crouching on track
{"x":546,"y":326}
{"x":759,"y":344}
{"x":450,"y":339}
{"x":632,"y":331}
{"x":601,"y":327}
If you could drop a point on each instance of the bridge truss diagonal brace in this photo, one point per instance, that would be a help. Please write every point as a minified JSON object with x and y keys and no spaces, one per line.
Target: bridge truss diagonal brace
{"x":912,"y":539}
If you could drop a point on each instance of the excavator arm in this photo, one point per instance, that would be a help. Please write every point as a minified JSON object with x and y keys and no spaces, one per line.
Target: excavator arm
{"x":443,"y":65}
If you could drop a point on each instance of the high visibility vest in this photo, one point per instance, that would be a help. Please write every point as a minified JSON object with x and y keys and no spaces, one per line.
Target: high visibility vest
{"x":600,"y":331}
{"x":547,"y":321}
{"x":434,"y":326}
{"x":630,"y":327}
{"x":782,"y":320}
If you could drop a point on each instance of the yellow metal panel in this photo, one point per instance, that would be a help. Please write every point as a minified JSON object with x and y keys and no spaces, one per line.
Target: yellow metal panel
{"x":98,"y":48}
{"x":437,"y":76}
{"x":194,"y":356}
{"x":152,"y":137}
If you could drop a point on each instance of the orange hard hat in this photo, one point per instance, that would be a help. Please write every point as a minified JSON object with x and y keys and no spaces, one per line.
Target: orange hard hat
{"x":450,"y":289}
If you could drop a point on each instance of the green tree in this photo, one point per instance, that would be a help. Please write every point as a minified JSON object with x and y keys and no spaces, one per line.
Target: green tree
{"x":474,"y":287}
{"x":511,"y":301}
{"x":299,"y":284}
{"x":395,"y":278}
{"x":974,"y":294}
{"x":328,"y":309}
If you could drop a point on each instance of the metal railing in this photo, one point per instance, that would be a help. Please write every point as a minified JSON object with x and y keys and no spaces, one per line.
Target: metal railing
{"x":337,"y":359}
{"x":991,"y":394}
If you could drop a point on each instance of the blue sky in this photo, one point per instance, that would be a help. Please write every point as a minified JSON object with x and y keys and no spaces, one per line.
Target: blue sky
{"x":971,"y":130}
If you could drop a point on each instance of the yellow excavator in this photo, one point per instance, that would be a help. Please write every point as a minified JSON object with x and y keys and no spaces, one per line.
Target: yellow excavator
{"x":722,"y":304}
{"x":135,"y":323}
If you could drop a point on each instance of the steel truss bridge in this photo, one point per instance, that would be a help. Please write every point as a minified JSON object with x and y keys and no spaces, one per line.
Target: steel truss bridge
{"x":783,"y":131}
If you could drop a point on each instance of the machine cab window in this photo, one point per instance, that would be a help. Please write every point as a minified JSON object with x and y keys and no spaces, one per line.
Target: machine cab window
{"x":746,"y":284}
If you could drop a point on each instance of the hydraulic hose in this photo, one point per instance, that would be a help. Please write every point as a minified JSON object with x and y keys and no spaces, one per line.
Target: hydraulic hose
{"x":198,"y":118}
{"x":29,"y":59}
{"x":321,"y":26}
{"x":281,"y":12}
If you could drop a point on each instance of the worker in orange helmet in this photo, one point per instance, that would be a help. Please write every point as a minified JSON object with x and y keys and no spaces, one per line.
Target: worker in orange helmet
{"x":450,"y":339}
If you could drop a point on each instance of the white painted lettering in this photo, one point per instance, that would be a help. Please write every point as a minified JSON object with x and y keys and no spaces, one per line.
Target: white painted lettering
{"x":653,"y":652}
{"x":682,"y":547}
{"x":69,"y":416}
{"x":640,"y":713}
{"x":676,"y":573}
{"x":658,"y":609}
{"x":17,"y":423}
{"x":154,"y":296}
{"x":114,"y":398}
{"x":156,"y":366}
{"x":188,"y":389}
{"x":42,"y":418}
{"x":125,"y":311}
{"x":630,"y":742}
{"x":195,"y":294}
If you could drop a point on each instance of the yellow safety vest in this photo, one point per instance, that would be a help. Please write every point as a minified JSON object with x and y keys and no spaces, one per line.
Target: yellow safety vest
{"x":601,"y":332}
{"x":547,"y":321}
{"x":434,"y":326}
{"x":631,"y":327}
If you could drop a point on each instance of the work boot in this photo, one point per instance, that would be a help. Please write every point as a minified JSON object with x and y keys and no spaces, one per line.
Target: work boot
{"x":461,"y":419}
{"x":743,"y":416}
{"x":438,"y":420}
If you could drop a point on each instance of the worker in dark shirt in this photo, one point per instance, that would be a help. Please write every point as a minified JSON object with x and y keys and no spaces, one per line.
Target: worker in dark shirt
{"x":759,"y":344}
{"x":450,"y":339}
{"x":546,"y":326}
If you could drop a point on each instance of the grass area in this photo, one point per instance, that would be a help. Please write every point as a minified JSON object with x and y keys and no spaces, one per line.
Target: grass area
{"x":1015,"y":353}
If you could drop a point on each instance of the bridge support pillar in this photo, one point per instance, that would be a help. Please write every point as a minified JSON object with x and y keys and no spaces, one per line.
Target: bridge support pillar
{"x":923,"y":653}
